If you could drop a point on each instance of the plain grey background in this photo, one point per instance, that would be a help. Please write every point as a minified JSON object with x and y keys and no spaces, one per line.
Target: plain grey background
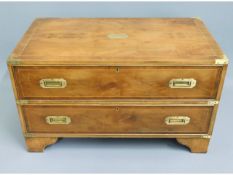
{"x":113,"y":155}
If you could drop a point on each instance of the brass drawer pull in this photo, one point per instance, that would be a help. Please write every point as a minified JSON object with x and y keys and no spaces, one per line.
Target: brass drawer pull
{"x":53,"y":83}
{"x":182,"y":83}
{"x":58,"y":120}
{"x":177,"y":120}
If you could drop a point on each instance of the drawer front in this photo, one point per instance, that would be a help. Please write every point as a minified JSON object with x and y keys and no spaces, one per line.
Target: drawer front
{"x":117,"y":82}
{"x":109,"y":119}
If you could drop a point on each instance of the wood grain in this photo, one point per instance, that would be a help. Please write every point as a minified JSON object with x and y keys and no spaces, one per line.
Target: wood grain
{"x":120,"y":82}
{"x":85,"y":41}
{"x":38,"y":144}
{"x":219,"y":93}
{"x":14,"y":84}
{"x":117,"y":119}
{"x":117,"y":86}
{"x":196,"y":145}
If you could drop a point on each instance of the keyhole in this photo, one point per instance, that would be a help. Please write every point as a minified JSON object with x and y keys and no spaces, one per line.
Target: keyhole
{"x":117,"y":69}
{"x":117,"y":109}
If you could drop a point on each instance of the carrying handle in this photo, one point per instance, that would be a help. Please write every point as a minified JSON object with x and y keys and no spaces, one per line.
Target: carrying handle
{"x":182,"y":83}
{"x":53,"y":83}
{"x":58,"y":120}
{"x":177,"y":120}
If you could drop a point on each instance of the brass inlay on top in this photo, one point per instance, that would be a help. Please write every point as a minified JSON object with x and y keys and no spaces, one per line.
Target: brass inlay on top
{"x":117,"y":36}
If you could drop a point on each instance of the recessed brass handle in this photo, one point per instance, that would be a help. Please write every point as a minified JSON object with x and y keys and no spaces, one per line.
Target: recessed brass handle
{"x":177,"y":120}
{"x":53,"y":83}
{"x":58,"y":120}
{"x":182,"y":83}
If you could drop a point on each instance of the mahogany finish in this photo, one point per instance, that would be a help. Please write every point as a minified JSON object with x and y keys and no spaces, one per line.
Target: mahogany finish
{"x":38,"y":144}
{"x":127,"y":119}
{"x":120,"y":82}
{"x":114,"y":80}
{"x":86,"y":41}
{"x":198,"y":145}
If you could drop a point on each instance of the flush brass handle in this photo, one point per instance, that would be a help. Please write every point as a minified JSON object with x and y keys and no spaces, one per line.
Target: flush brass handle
{"x":58,"y":120}
{"x":53,"y":83}
{"x":182,"y":83}
{"x":177,"y":120}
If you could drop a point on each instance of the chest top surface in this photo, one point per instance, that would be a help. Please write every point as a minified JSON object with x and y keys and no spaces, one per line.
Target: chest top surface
{"x":117,"y":41}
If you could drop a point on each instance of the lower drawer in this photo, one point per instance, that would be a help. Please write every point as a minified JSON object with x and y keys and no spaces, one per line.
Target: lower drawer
{"x":109,"y":119}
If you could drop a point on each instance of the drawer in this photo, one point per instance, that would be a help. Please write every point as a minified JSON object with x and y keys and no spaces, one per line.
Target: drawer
{"x":117,"y":82}
{"x":110,"y":119}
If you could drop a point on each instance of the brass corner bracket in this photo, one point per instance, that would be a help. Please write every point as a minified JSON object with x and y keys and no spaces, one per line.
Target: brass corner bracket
{"x":213,"y":102}
{"x":222,"y":61}
{"x":13,"y":61}
{"x":22,"y":102}
{"x":197,"y":17}
{"x":206,"y":137}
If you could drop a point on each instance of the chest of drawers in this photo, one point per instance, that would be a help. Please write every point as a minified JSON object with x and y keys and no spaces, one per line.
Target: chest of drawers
{"x":117,"y":78}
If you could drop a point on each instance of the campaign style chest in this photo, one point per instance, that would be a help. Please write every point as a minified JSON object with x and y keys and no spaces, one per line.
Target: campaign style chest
{"x":117,"y":78}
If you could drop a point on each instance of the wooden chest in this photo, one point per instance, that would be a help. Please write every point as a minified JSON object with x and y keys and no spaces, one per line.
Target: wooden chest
{"x":111,"y":78}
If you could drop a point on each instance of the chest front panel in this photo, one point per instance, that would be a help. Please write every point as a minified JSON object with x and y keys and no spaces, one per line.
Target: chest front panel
{"x":144,"y":78}
{"x":117,"y":82}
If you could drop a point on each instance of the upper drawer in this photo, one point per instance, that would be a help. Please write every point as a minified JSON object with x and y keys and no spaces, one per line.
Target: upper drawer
{"x":117,"y":82}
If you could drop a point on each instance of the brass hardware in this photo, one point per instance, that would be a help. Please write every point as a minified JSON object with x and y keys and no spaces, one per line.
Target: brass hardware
{"x":117,"y":69}
{"x":53,"y":83}
{"x":182,"y":83}
{"x":22,"y":102}
{"x":117,"y":109}
{"x":13,"y":61}
{"x":58,"y":120}
{"x":177,"y":120}
{"x":206,"y":136}
{"x":213,"y":102}
{"x":222,"y":61}
{"x":197,"y":17}
{"x":112,"y":135}
{"x":117,"y":102}
{"x":117,"y":36}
